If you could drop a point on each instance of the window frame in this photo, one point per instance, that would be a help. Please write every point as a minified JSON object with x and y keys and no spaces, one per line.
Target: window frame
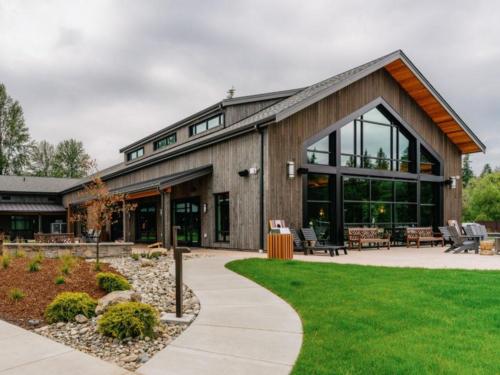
{"x":205,"y":125}
{"x":222,"y":236}
{"x":157,"y":146}
{"x":131,"y":157}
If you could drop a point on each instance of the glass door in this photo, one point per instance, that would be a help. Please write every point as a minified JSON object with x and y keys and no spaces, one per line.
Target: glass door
{"x":186,"y":214}
{"x":146,"y":223}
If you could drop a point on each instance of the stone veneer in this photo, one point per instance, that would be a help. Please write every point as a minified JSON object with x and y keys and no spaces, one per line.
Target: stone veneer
{"x":84,"y":250}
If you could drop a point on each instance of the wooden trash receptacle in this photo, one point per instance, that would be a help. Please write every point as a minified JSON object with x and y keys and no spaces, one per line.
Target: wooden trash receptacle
{"x":279,"y":246}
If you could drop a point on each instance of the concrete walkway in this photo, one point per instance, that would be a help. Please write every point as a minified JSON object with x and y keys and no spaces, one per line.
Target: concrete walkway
{"x":25,"y":353}
{"x":242,"y":328}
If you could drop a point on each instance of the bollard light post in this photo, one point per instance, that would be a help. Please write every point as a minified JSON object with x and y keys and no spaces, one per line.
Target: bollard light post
{"x":178,"y":251}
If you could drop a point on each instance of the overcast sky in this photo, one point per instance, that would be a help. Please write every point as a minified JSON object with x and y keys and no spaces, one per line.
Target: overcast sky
{"x":110,"y":72}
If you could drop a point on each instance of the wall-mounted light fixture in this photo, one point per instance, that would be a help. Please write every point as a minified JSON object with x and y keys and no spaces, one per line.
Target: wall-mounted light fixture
{"x":244,"y":173}
{"x":253,"y":171}
{"x":290,"y":169}
{"x":205,"y":208}
{"x":452,"y":182}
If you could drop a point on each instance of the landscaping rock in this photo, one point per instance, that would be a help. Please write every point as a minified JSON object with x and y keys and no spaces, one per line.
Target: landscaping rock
{"x":81,"y":319}
{"x":154,"y":285}
{"x":116,"y":297}
{"x":33,"y":322}
{"x":147,"y":262}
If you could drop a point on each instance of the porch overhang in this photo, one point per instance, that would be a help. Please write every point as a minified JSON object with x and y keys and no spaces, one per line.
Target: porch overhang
{"x":154,"y":186}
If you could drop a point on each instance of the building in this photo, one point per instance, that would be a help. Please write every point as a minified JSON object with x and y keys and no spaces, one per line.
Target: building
{"x":32,"y":204}
{"x":373,"y":146}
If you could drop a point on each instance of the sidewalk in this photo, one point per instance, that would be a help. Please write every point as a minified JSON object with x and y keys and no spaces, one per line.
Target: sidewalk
{"x":242,"y":328}
{"x":25,"y":353}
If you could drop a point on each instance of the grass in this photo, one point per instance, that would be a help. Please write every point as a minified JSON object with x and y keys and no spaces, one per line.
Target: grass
{"x":379,"y":320}
{"x":16,"y":294}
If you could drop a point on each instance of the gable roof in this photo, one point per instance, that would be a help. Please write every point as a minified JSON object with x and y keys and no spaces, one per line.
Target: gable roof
{"x":396,"y":63}
{"x":410,"y":79}
{"x":32,"y":184}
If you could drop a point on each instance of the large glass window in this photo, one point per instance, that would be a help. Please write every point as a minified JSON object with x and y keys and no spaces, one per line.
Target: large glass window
{"x":222,"y":228}
{"x":429,"y":203}
{"x":319,"y":152}
{"x":319,"y":205}
{"x":385,"y":203}
{"x":428,"y":164}
{"x":375,"y":141}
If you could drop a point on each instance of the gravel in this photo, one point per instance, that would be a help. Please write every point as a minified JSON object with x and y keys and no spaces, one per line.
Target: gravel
{"x":156,"y":284}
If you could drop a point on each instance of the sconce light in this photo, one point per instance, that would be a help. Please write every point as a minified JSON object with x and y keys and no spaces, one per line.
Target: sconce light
{"x":244,"y":173}
{"x":253,"y":171}
{"x":290,"y":169}
{"x":205,"y":208}
{"x":452,"y":182}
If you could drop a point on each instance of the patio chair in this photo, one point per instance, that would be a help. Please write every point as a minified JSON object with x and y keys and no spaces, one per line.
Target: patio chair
{"x":447,"y":238}
{"x":460,"y":243}
{"x":298,"y":244}
{"x":315,"y":245}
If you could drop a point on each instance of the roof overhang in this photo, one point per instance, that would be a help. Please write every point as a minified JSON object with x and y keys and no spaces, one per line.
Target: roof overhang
{"x":31,"y":208}
{"x":399,"y":66}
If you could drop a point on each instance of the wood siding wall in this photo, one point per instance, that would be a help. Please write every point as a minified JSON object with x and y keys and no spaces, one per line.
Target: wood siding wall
{"x":227,"y":159}
{"x":286,"y":138}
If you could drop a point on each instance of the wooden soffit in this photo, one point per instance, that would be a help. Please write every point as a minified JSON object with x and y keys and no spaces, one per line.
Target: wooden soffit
{"x":433,"y":106}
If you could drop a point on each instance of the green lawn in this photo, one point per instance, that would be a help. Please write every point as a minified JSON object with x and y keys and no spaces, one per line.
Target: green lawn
{"x":378,"y":320}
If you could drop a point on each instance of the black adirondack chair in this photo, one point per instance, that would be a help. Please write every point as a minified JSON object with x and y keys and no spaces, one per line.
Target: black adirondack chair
{"x":298,"y":245}
{"x":461,"y":243}
{"x":310,"y":237}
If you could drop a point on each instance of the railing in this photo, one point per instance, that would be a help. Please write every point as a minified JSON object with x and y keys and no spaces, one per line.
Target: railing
{"x":55,"y":237}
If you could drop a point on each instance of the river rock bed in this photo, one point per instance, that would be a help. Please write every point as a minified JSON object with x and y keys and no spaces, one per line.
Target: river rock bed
{"x":154,"y":280}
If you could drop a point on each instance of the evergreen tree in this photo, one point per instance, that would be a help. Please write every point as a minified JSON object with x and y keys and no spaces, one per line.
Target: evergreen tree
{"x":15,"y":143}
{"x":467,"y":172}
{"x":486,"y":170}
{"x":71,"y":159}
{"x":42,"y":159}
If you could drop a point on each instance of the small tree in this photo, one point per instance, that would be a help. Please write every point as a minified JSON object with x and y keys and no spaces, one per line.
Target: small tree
{"x":467,"y":172}
{"x":486,"y":170}
{"x":99,"y":208}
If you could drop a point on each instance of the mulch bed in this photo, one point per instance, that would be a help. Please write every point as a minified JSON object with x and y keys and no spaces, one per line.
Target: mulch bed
{"x":40,"y":288}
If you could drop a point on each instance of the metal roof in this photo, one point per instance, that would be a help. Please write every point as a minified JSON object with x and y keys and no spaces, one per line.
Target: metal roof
{"x":31,"y":207}
{"x":31,"y":184}
{"x":165,"y":181}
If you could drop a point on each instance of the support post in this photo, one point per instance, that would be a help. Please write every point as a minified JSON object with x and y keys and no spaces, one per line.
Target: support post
{"x":125,"y":221}
{"x":179,"y":288}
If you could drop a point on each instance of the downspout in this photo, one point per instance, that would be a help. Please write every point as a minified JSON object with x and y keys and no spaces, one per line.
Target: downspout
{"x":261,"y":187}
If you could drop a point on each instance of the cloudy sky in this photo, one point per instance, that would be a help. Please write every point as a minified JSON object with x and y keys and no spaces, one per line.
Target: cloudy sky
{"x":110,"y":72}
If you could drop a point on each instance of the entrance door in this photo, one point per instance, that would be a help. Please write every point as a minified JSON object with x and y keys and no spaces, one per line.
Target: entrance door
{"x":146,"y":223}
{"x":186,"y":214}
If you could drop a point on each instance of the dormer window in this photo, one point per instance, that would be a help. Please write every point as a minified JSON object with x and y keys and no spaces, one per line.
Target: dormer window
{"x":166,"y":141}
{"x":135,"y":154}
{"x":208,"y":124}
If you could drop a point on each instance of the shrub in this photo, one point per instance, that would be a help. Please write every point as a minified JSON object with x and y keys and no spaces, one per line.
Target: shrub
{"x":19,"y":254}
{"x":16,"y":294}
{"x":5,"y":261}
{"x":60,"y":280}
{"x":67,"y":305}
{"x":67,"y":263}
{"x":135,"y":256}
{"x":34,"y":266}
{"x":38,"y":257}
{"x":129,"y":319}
{"x":110,"y":282}
{"x":154,"y":255}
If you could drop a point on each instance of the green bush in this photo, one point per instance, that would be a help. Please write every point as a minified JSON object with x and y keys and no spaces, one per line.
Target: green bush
{"x":67,"y":263}
{"x":16,"y":294}
{"x":135,"y":256}
{"x":129,"y":319}
{"x":110,"y":282}
{"x":34,"y":265}
{"x":67,"y":305}
{"x":19,"y":253}
{"x":154,"y":255}
{"x":38,"y":257}
{"x":60,"y":280}
{"x":5,"y":261}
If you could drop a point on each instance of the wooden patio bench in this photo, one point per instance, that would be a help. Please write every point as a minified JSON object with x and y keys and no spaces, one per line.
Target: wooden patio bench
{"x":418,"y":235}
{"x":368,"y":236}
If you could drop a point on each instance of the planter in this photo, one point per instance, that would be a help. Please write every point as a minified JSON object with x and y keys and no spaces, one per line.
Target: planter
{"x":486,"y":248}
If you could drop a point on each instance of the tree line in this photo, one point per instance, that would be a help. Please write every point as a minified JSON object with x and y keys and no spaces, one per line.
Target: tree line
{"x":481,"y":194}
{"x":21,"y":155}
